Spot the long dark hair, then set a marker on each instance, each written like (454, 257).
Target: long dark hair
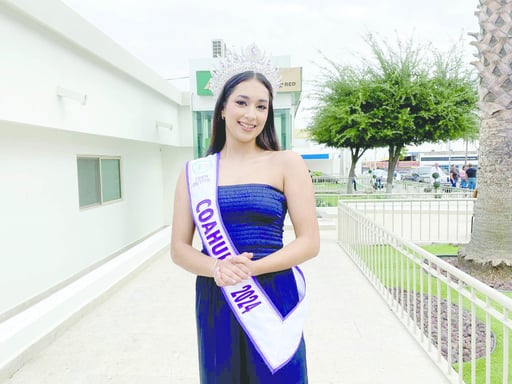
(267, 139)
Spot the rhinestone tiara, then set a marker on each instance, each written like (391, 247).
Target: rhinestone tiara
(249, 59)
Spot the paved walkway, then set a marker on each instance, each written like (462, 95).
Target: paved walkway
(144, 333)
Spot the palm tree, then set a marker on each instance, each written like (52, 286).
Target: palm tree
(491, 240)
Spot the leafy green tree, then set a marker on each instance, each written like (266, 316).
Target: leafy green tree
(404, 96)
(340, 122)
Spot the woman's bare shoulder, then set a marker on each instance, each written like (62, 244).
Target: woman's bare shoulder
(291, 165)
(288, 157)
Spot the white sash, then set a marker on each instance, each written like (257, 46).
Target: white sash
(276, 338)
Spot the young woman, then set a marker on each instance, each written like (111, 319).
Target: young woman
(257, 186)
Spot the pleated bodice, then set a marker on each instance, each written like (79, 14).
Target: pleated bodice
(253, 215)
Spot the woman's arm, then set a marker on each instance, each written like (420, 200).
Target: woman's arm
(300, 198)
(188, 257)
(182, 234)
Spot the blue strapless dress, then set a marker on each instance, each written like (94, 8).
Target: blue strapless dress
(253, 215)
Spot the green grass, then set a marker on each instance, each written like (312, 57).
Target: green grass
(441, 249)
(330, 199)
(327, 200)
(384, 261)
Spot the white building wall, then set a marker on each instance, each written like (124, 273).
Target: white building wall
(46, 239)
(39, 60)
(173, 162)
(185, 127)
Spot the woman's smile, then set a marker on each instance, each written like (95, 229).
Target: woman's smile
(246, 126)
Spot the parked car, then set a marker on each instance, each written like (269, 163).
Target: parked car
(411, 175)
(424, 175)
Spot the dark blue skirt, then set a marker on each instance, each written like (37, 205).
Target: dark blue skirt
(226, 354)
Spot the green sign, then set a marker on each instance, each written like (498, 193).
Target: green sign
(203, 82)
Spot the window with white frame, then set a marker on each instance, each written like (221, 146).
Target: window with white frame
(99, 180)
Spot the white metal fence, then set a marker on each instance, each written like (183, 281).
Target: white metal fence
(366, 185)
(464, 325)
(421, 220)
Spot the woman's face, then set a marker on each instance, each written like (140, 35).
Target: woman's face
(246, 111)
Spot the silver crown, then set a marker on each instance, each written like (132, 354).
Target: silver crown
(250, 59)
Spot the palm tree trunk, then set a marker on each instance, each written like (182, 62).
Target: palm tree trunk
(491, 239)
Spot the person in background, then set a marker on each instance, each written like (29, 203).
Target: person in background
(436, 169)
(471, 174)
(379, 182)
(463, 177)
(454, 175)
(256, 185)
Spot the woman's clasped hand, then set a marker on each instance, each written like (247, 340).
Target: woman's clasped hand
(233, 269)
